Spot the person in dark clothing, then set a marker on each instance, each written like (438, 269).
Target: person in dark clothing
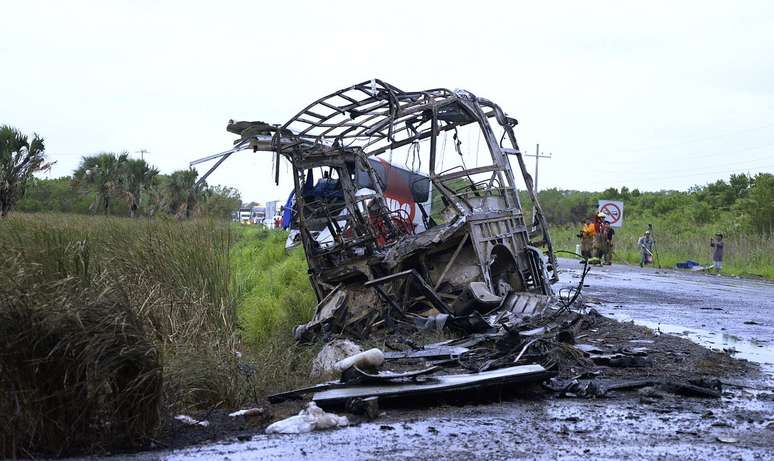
(716, 243)
(609, 233)
(646, 244)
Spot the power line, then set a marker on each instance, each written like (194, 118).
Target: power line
(691, 168)
(694, 139)
(695, 155)
(707, 173)
(142, 153)
(660, 168)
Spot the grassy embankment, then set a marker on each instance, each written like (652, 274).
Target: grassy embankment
(273, 294)
(745, 254)
(108, 326)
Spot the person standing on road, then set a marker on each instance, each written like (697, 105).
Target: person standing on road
(646, 245)
(716, 243)
(609, 233)
(587, 239)
(599, 235)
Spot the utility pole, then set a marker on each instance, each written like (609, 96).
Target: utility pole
(142, 153)
(537, 156)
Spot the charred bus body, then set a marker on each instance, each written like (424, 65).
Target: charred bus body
(382, 264)
(406, 192)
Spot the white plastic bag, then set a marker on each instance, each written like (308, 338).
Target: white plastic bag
(309, 419)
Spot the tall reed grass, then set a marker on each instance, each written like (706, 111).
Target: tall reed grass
(203, 308)
(77, 370)
(169, 282)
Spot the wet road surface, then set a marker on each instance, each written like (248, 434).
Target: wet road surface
(708, 309)
(716, 311)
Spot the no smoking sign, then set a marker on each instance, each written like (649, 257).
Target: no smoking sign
(613, 210)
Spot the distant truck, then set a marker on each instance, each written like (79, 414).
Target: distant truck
(245, 215)
(257, 214)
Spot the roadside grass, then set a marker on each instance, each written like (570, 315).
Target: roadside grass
(274, 295)
(191, 293)
(745, 255)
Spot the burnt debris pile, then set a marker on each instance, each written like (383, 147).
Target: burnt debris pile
(564, 352)
(401, 242)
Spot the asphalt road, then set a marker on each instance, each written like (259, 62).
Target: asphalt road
(712, 310)
(716, 311)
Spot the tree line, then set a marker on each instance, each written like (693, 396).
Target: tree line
(743, 202)
(111, 183)
(106, 183)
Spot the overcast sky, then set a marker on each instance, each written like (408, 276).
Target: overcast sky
(654, 95)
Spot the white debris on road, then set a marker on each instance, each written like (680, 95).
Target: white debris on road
(247, 412)
(185, 419)
(310, 419)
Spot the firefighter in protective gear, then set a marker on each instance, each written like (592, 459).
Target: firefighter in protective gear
(599, 235)
(606, 248)
(587, 239)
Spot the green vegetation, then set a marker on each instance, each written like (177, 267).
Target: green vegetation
(20, 158)
(106, 304)
(273, 295)
(105, 183)
(742, 209)
(745, 254)
(166, 194)
(273, 288)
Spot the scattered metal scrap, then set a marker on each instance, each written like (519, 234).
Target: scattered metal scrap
(517, 355)
(521, 374)
(380, 259)
(387, 264)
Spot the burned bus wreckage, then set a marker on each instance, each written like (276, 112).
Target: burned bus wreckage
(378, 255)
(397, 248)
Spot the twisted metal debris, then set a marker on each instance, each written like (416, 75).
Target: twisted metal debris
(377, 256)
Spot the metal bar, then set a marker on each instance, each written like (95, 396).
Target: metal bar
(388, 278)
(241, 146)
(209, 172)
(396, 144)
(387, 298)
(471, 171)
(433, 140)
(451, 261)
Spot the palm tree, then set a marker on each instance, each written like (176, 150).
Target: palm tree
(19, 159)
(182, 193)
(102, 173)
(138, 177)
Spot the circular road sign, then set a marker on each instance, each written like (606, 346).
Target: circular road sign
(612, 211)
